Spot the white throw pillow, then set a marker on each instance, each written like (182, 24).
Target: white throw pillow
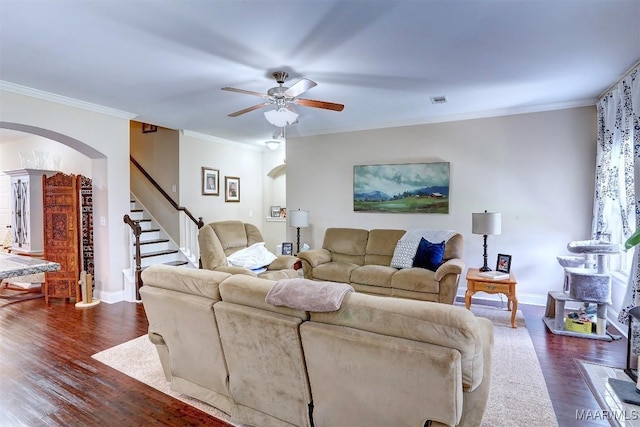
(404, 253)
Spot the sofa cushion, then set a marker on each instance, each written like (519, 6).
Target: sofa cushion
(232, 235)
(381, 245)
(346, 244)
(404, 254)
(415, 279)
(429, 255)
(252, 292)
(202, 283)
(438, 324)
(334, 271)
(373, 275)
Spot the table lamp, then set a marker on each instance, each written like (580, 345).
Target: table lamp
(486, 223)
(298, 219)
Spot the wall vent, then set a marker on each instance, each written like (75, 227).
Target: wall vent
(439, 99)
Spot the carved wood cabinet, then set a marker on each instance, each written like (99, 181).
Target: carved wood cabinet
(67, 225)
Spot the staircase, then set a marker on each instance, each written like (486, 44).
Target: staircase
(156, 247)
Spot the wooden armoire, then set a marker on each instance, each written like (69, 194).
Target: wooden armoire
(68, 232)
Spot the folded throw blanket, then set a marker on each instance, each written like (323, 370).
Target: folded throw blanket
(308, 295)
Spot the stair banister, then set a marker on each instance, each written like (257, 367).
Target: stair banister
(137, 231)
(199, 222)
(189, 229)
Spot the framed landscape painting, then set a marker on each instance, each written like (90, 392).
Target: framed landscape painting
(401, 188)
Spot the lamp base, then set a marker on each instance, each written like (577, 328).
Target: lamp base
(484, 268)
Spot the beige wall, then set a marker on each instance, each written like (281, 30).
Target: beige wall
(231, 160)
(537, 169)
(104, 139)
(158, 153)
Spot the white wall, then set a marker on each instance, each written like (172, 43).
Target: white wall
(231, 160)
(274, 193)
(103, 138)
(537, 169)
(70, 160)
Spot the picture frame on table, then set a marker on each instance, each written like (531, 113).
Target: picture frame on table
(503, 264)
(232, 189)
(210, 181)
(275, 211)
(287, 248)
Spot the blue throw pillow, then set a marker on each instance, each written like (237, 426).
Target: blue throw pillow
(429, 255)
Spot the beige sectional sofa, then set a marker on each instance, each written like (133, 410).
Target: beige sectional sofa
(363, 258)
(375, 361)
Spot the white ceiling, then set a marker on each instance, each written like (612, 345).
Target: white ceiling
(166, 61)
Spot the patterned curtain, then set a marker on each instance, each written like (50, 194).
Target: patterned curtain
(615, 211)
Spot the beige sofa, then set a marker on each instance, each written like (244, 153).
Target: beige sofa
(218, 240)
(362, 258)
(374, 362)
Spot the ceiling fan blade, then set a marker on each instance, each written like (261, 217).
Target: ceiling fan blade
(299, 87)
(246, 92)
(246, 110)
(320, 104)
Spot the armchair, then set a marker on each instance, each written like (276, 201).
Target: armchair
(218, 240)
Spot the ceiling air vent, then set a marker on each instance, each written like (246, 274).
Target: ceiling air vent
(439, 99)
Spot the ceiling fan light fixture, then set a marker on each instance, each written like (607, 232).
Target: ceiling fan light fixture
(281, 117)
(273, 144)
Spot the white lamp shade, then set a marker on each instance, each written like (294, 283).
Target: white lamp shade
(281, 117)
(298, 218)
(488, 223)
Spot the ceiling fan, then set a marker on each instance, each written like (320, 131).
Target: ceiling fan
(282, 98)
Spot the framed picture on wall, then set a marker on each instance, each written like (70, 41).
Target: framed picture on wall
(210, 182)
(232, 189)
(147, 128)
(275, 211)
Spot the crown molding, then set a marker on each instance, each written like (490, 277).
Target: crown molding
(466, 116)
(219, 140)
(72, 102)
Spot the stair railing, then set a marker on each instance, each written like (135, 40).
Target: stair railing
(137, 231)
(189, 227)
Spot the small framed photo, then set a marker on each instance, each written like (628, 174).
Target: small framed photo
(287, 248)
(283, 212)
(210, 182)
(148, 128)
(275, 211)
(504, 263)
(231, 189)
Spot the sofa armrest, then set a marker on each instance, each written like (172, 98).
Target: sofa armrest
(235, 270)
(452, 266)
(284, 262)
(315, 257)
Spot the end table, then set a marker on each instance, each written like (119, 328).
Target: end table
(477, 283)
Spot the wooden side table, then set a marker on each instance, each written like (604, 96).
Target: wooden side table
(477, 283)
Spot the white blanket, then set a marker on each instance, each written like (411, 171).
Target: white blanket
(254, 257)
(434, 236)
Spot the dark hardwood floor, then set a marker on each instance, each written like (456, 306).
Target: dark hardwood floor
(48, 378)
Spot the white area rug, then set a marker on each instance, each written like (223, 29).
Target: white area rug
(518, 397)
